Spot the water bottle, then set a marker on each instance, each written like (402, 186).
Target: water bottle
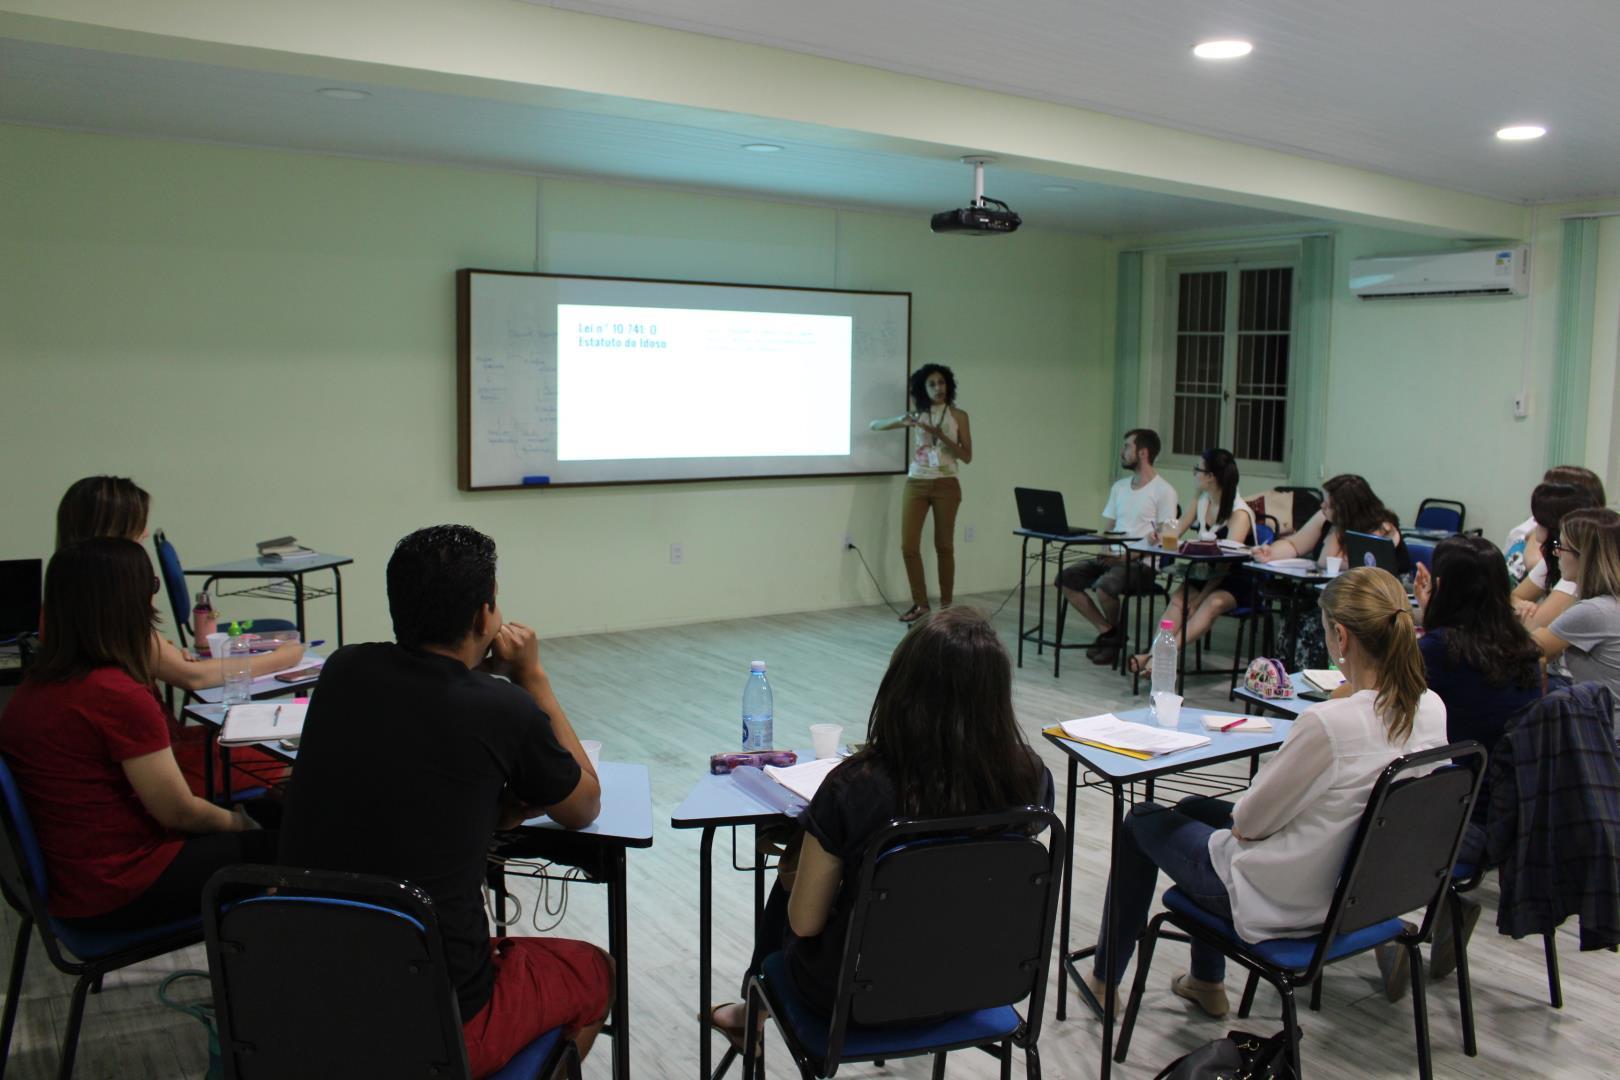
(236, 663)
(203, 620)
(758, 709)
(1164, 663)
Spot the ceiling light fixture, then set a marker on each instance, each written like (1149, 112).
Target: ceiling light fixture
(1521, 132)
(341, 93)
(761, 148)
(1226, 49)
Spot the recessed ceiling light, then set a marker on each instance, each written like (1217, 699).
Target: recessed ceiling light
(1056, 187)
(1227, 49)
(1521, 132)
(341, 93)
(761, 147)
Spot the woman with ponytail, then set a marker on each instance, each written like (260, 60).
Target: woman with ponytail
(1270, 861)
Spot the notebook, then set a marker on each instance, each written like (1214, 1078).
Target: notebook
(1109, 732)
(1323, 678)
(1247, 725)
(804, 778)
(258, 722)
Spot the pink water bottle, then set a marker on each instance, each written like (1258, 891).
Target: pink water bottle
(203, 620)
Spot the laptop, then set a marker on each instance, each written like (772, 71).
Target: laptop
(1364, 549)
(20, 590)
(1042, 512)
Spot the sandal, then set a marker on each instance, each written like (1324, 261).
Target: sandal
(732, 1035)
(917, 611)
(1141, 664)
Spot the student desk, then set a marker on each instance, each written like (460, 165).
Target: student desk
(1037, 632)
(1140, 549)
(1119, 772)
(1297, 592)
(625, 822)
(265, 686)
(284, 580)
(717, 802)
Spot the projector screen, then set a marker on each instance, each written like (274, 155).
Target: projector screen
(583, 380)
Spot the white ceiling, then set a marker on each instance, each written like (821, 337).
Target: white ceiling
(640, 142)
(1411, 88)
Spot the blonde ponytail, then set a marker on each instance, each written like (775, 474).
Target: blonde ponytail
(1373, 608)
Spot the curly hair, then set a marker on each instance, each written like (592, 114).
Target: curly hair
(919, 385)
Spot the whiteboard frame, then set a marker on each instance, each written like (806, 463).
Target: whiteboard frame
(464, 323)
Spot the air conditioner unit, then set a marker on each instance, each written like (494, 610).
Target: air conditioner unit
(1499, 271)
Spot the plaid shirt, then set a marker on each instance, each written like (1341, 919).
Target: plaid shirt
(1554, 824)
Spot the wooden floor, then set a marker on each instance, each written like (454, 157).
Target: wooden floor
(669, 698)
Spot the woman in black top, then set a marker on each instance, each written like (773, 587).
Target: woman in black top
(942, 741)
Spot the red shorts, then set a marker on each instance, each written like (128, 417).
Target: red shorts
(540, 983)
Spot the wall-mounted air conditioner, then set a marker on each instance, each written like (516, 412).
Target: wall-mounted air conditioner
(1499, 271)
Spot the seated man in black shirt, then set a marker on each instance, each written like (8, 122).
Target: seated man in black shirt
(413, 754)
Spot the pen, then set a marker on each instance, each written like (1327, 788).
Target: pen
(1235, 723)
(312, 644)
(275, 718)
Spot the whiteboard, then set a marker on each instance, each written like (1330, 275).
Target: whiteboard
(569, 380)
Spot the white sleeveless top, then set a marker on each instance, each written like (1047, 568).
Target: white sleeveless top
(1208, 508)
(930, 458)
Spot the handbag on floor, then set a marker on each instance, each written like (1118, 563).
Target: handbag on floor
(1239, 1056)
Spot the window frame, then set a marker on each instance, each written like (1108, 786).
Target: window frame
(1232, 263)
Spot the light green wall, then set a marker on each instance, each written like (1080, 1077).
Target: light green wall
(265, 340)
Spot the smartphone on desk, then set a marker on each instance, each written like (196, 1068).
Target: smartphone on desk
(1314, 695)
(299, 674)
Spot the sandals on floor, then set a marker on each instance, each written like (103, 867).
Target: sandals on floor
(1141, 664)
(734, 1036)
(917, 611)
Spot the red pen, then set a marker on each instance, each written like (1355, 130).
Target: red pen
(1235, 723)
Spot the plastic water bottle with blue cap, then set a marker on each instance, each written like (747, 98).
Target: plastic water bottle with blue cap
(758, 709)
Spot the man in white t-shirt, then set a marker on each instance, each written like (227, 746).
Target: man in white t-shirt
(1136, 504)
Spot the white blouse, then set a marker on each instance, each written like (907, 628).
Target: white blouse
(1299, 816)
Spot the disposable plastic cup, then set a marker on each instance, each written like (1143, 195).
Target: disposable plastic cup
(1170, 541)
(824, 737)
(1335, 564)
(216, 643)
(593, 750)
(1167, 708)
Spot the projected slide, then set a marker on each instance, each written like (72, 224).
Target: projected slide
(640, 382)
(566, 380)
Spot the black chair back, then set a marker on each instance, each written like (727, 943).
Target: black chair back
(1441, 514)
(1407, 841)
(1307, 501)
(333, 975)
(952, 915)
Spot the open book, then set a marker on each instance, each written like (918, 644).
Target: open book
(1109, 732)
(1323, 678)
(262, 721)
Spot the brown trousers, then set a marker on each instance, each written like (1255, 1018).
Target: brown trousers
(943, 496)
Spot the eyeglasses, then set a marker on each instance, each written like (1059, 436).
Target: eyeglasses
(1557, 546)
(1197, 469)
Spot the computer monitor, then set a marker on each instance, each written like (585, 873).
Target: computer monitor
(21, 582)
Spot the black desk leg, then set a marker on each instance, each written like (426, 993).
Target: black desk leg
(1068, 890)
(1023, 586)
(1040, 632)
(297, 581)
(337, 587)
(705, 944)
(1110, 923)
(495, 878)
(209, 750)
(225, 776)
(619, 949)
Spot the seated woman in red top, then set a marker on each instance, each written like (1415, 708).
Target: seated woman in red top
(126, 843)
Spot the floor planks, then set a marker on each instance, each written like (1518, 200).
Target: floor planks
(670, 697)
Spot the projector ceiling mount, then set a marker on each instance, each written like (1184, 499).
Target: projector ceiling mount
(984, 216)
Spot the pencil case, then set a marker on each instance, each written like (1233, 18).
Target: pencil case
(721, 764)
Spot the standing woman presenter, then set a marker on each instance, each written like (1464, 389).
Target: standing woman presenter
(940, 441)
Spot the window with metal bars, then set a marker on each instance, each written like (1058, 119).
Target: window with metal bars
(1233, 330)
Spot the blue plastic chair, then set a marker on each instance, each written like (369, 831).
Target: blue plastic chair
(86, 955)
(344, 970)
(1441, 515)
(1400, 861)
(911, 982)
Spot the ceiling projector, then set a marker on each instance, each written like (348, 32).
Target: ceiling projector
(983, 216)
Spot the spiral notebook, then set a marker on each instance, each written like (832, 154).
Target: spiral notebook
(258, 722)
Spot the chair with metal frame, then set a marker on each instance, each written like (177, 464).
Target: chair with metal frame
(86, 955)
(1400, 860)
(344, 970)
(1440, 515)
(1307, 501)
(174, 583)
(912, 980)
